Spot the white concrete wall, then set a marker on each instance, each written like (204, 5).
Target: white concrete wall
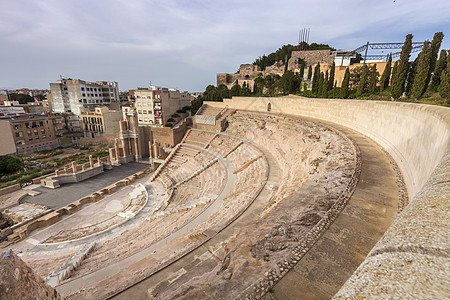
(412, 259)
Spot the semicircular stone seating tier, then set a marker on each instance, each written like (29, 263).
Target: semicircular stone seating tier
(196, 175)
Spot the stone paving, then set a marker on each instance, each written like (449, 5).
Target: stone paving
(71, 192)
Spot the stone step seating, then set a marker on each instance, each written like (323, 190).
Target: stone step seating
(184, 162)
(248, 183)
(209, 180)
(224, 144)
(66, 271)
(210, 111)
(199, 138)
(242, 155)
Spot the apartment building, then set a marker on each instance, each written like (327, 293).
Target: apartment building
(100, 122)
(75, 95)
(155, 105)
(30, 133)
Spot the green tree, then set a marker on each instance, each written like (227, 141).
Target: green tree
(440, 66)
(196, 104)
(309, 72)
(316, 78)
(373, 79)
(363, 81)
(345, 83)
(324, 93)
(444, 87)
(320, 84)
(258, 86)
(235, 90)
(331, 78)
(384, 81)
(22, 98)
(410, 78)
(10, 165)
(269, 83)
(434, 49)
(302, 69)
(421, 71)
(398, 81)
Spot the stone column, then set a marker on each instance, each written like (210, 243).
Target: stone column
(150, 149)
(136, 147)
(156, 149)
(56, 172)
(99, 160)
(116, 148)
(111, 154)
(91, 161)
(74, 167)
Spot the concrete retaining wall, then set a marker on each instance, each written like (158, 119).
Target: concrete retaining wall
(411, 260)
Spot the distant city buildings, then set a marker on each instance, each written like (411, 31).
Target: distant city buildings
(75, 95)
(156, 105)
(102, 121)
(29, 133)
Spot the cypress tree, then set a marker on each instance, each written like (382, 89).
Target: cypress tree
(324, 93)
(444, 87)
(434, 49)
(421, 71)
(309, 72)
(373, 79)
(440, 66)
(315, 80)
(331, 78)
(398, 81)
(384, 81)
(411, 76)
(345, 83)
(362, 82)
(320, 84)
(302, 70)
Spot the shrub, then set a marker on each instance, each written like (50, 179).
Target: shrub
(180, 111)
(171, 120)
(187, 108)
(168, 125)
(176, 115)
(10, 165)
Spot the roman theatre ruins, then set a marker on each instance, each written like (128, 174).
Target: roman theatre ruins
(268, 198)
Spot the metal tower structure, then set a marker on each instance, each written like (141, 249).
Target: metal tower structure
(416, 46)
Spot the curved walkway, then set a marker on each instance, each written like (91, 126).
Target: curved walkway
(344, 246)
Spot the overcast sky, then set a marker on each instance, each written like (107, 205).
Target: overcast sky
(183, 44)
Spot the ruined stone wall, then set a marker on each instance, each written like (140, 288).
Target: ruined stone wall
(311, 58)
(411, 260)
(18, 281)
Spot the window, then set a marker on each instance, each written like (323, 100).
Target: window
(43, 131)
(145, 112)
(17, 126)
(99, 120)
(82, 88)
(84, 95)
(30, 139)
